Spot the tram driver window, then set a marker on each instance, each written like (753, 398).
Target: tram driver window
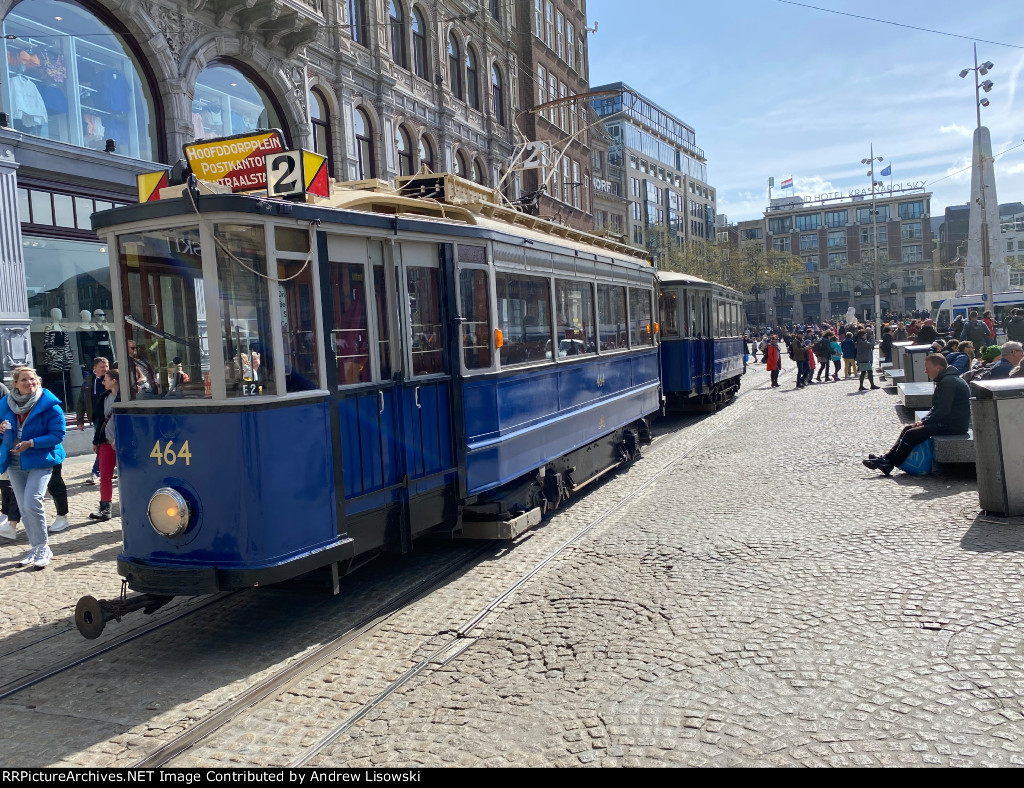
(245, 310)
(165, 315)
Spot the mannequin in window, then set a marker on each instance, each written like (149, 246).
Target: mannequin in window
(57, 357)
(86, 317)
(94, 338)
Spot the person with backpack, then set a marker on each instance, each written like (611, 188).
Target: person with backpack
(976, 332)
(823, 352)
(849, 348)
(886, 346)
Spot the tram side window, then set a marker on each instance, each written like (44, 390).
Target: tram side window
(476, 318)
(611, 317)
(641, 328)
(245, 310)
(668, 309)
(350, 334)
(165, 315)
(524, 317)
(574, 302)
(298, 311)
(424, 320)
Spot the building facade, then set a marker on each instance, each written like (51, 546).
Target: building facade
(954, 238)
(95, 92)
(664, 172)
(836, 239)
(1011, 225)
(611, 207)
(552, 51)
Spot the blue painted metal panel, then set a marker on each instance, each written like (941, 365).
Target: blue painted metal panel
(728, 359)
(542, 414)
(245, 473)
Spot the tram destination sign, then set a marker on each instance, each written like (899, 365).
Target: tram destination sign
(237, 161)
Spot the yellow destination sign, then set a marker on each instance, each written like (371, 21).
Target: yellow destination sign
(237, 162)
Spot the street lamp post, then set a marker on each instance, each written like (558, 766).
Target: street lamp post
(979, 102)
(874, 237)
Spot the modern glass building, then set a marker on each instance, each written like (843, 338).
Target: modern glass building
(664, 172)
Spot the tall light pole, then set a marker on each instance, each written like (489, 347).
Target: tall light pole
(979, 102)
(874, 237)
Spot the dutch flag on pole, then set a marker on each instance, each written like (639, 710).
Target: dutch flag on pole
(787, 184)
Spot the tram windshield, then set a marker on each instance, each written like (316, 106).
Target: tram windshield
(165, 315)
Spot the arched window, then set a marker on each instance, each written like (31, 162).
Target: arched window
(227, 102)
(419, 45)
(472, 79)
(357, 26)
(478, 172)
(454, 67)
(364, 146)
(321, 119)
(459, 163)
(497, 96)
(397, 18)
(404, 148)
(73, 79)
(426, 154)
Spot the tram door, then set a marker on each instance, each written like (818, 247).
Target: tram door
(394, 391)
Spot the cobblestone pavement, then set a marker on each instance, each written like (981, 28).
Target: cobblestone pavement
(766, 600)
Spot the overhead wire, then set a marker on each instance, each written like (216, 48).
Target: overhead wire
(899, 24)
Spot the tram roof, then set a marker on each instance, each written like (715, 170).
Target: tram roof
(676, 278)
(469, 206)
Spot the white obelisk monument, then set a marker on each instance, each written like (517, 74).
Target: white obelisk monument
(984, 211)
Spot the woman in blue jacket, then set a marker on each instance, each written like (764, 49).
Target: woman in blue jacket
(35, 419)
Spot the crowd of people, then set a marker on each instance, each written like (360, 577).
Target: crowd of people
(820, 349)
(32, 432)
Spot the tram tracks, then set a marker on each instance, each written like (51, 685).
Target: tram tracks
(453, 638)
(463, 637)
(22, 683)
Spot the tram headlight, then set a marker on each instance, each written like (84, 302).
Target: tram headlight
(169, 512)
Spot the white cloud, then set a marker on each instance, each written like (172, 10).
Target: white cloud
(960, 172)
(954, 128)
(1016, 169)
(814, 185)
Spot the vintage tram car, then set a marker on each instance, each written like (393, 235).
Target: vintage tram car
(702, 353)
(321, 381)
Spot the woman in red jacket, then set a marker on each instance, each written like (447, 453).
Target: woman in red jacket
(773, 359)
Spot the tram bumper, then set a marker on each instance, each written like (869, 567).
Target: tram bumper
(190, 580)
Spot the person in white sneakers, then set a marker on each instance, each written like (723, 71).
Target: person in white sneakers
(32, 429)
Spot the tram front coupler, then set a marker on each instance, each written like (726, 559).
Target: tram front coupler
(92, 615)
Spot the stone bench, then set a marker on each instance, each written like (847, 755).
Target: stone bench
(894, 375)
(951, 448)
(916, 395)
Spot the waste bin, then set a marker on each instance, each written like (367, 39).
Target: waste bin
(913, 363)
(897, 353)
(997, 412)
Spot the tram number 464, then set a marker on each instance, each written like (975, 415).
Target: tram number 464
(168, 456)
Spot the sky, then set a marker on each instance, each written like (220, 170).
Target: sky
(779, 90)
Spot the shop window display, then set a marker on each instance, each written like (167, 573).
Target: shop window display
(226, 102)
(67, 77)
(70, 307)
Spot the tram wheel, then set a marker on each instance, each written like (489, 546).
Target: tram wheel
(89, 617)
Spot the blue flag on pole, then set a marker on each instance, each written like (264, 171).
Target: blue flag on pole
(887, 170)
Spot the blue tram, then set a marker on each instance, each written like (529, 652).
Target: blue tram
(319, 382)
(702, 353)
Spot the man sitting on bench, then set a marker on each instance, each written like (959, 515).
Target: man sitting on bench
(950, 415)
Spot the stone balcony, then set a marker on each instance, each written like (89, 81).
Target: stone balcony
(285, 24)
